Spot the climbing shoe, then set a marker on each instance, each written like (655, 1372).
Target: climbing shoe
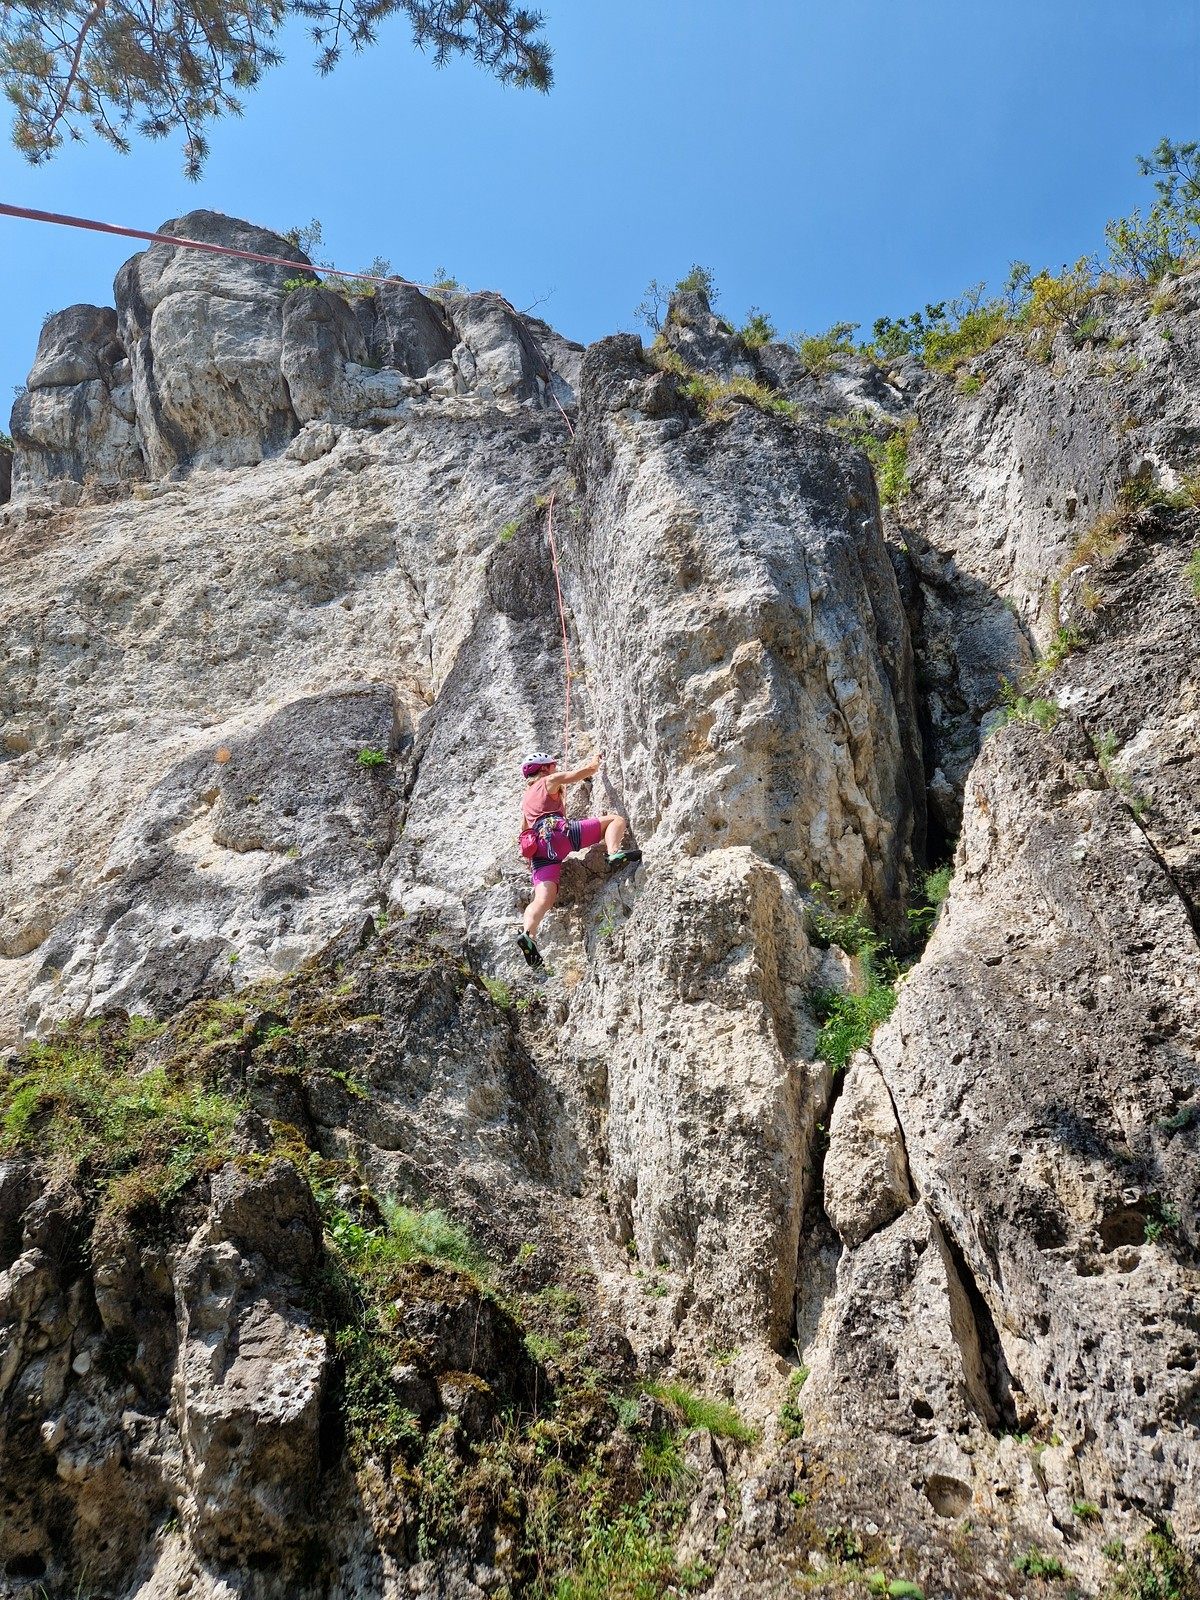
(530, 950)
(623, 857)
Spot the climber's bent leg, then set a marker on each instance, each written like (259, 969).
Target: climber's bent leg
(614, 831)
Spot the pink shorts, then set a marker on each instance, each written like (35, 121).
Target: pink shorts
(566, 837)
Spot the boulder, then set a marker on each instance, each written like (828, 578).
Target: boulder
(496, 354)
(411, 332)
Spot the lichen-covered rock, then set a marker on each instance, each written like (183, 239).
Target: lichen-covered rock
(246, 856)
(711, 1105)
(747, 651)
(1039, 1061)
(1010, 473)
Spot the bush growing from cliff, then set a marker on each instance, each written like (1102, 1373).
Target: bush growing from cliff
(711, 397)
(757, 330)
(888, 455)
(819, 352)
(1148, 248)
(652, 307)
(848, 1021)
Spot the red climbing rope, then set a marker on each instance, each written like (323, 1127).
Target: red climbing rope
(562, 618)
(194, 244)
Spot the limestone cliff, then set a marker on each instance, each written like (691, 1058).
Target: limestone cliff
(343, 1256)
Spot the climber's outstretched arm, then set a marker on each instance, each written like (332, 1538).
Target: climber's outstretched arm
(558, 780)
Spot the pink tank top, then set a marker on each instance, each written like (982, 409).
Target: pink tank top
(538, 801)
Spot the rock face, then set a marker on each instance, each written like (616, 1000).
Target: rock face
(258, 784)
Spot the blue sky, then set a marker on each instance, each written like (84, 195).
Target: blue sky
(827, 161)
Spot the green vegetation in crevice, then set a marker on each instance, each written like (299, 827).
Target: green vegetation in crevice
(1106, 753)
(935, 886)
(1145, 492)
(848, 1020)
(1064, 642)
(371, 757)
(1100, 542)
(791, 1417)
(1111, 530)
(888, 454)
(502, 997)
(698, 1411)
(1162, 1219)
(713, 398)
(1018, 707)
(1034, 1563)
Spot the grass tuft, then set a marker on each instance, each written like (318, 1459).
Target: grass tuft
(1035, 1564)
(697, 1411)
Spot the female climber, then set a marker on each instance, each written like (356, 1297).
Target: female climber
(548, 838)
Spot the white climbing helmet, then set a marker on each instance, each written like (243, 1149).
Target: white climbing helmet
(531, 765)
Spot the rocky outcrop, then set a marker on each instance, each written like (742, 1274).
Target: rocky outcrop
(1012, 465)
(260, 742)
(76, 419)
(212, 361)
